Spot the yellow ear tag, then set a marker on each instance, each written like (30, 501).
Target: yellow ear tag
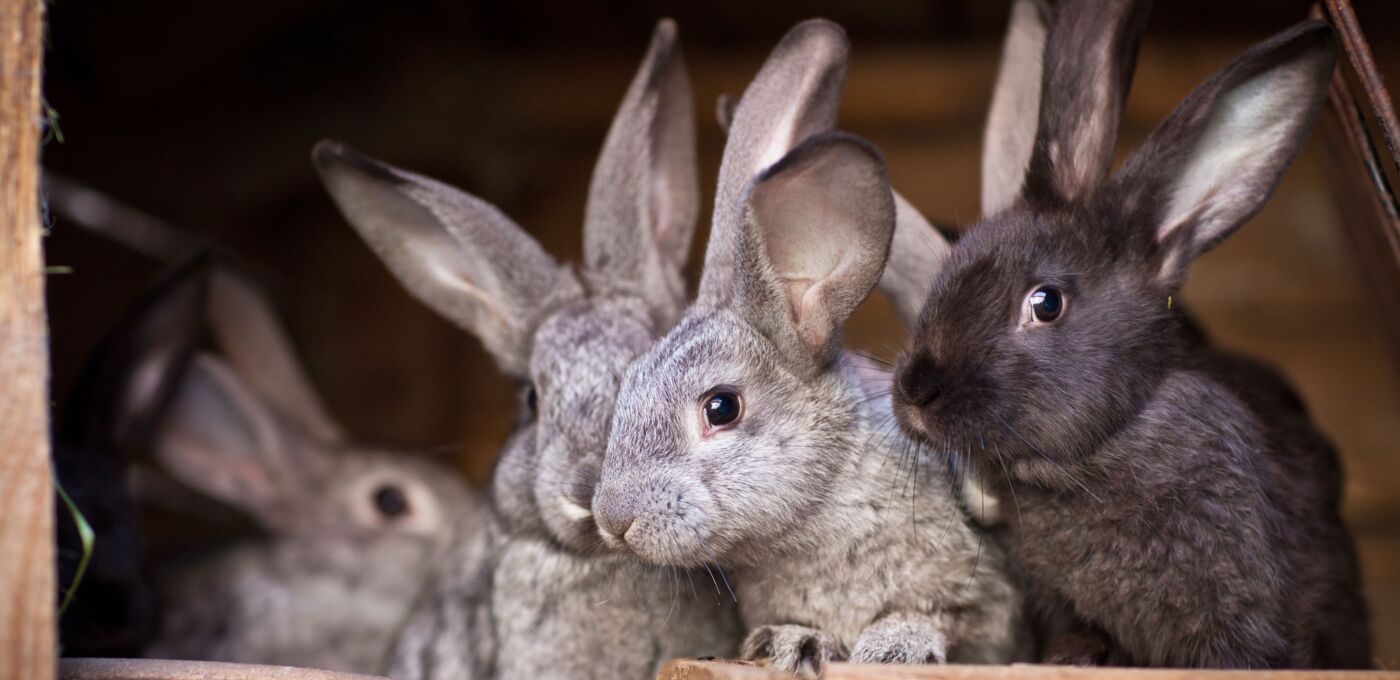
(1169, 303)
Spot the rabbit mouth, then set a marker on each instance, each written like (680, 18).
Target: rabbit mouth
(911, 418)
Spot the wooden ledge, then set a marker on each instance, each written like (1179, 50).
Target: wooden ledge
(162, 669)
(685, 669)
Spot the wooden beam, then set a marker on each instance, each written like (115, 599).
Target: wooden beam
(156, 669)
(27, 624)
(729, 670)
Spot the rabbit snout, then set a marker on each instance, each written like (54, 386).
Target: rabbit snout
(658, 520)
(919, 383)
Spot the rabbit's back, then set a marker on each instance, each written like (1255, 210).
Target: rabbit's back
(1304, 475)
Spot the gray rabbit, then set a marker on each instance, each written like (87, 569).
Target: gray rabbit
(534, 597)
(1170, 504)
(351, 532)
(747, 438)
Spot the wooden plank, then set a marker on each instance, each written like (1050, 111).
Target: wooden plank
(159, 669)
(27, 625)
(691, 669)
(728, 670)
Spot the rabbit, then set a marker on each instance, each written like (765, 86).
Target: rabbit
(351, 531)
(747, 438)
(1172, 505)
(121, 393)
(536, 598)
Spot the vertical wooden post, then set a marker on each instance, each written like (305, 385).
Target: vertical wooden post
(27, 621)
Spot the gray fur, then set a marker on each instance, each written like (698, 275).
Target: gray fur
(537, 600)
(1173, 505)
(801, 495)
(335, 576)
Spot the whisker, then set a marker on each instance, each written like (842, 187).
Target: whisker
(714, 557)
(1049, 460)
(996, 451)
(976, 559)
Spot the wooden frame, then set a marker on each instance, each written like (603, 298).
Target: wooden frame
(1362, 174)
(27, 620)
(728, 670)
(148, 669)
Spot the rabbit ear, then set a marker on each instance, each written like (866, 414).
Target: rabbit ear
(219, 439)
(817, 229)
(795, 95)
(917, 253)
(1218, 157)
(724, 111)
(456, 253)
(255, 345)
(645, 195)
(1090, 53)
(127, 384)
(1011, 122)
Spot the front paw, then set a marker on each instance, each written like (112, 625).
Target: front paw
(901, 638)
(1079, 646)
(795, 649)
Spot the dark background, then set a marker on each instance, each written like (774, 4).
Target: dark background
(204, 115)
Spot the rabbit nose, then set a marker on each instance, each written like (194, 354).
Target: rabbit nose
(918, 381)
(614, 514)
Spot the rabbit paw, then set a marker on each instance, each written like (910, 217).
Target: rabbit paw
(796, 649)
(1079, 646)
(902, 638)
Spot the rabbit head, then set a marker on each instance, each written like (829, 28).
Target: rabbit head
(567, 337)
(1052, 322)
(724, 432)
(247, 428)
(124, 388)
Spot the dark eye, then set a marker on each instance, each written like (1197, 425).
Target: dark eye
(1047, 303)
(532, 402)
(390, 501)
(723, 408)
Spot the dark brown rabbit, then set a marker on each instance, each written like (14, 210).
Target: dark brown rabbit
(1169, 504)
(111, 413)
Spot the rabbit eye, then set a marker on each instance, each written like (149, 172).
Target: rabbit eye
(532, 402)
(722, 408)
(1047, 304)
(390, 501)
